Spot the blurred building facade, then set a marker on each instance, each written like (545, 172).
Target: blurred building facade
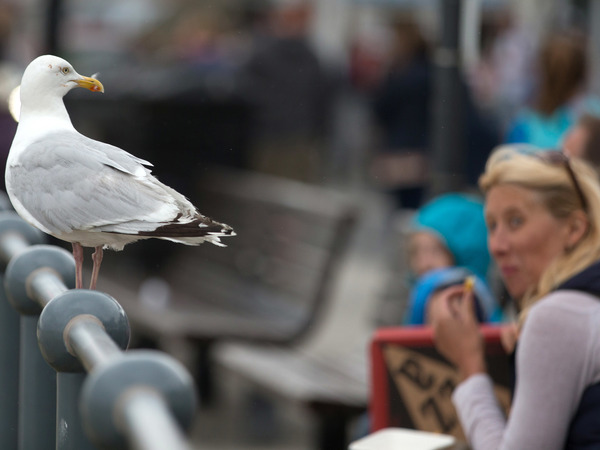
(191, 50)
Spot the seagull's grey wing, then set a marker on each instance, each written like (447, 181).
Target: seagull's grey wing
(104, 153)
(68, 184)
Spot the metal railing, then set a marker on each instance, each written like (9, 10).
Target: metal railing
(66, 381)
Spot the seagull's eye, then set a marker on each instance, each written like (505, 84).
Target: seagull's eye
(65, 70)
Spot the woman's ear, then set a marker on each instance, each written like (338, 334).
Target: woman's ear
(578, 227)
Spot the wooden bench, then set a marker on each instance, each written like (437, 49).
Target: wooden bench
(269, 285)
(328, 373)
(332, 384)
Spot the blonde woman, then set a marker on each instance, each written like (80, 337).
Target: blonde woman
(543, 216)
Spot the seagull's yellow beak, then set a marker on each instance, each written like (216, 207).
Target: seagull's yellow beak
(90, 83)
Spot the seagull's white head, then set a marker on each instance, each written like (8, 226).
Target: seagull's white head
(54, 75)
(45, 82)
(48, 78)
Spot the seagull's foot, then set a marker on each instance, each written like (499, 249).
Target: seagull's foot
(78, 256)
(97, 258)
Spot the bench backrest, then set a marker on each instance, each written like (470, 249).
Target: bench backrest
(290, 240)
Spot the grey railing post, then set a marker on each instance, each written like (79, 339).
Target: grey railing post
(15, 236)
(69, 430)
(37, 388)
(79, 330)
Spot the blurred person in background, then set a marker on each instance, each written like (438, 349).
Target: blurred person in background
(401, 111)
(542, 211)
(582, 140)
(290, 96)
(444, 243)
(561, 95)
(500, 88)
(199, 35)
(402, 115)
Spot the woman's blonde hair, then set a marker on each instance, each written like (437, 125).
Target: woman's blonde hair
(551, 180)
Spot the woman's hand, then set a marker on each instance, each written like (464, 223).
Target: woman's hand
(456, 330)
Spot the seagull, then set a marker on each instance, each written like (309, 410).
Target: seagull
(87, 192)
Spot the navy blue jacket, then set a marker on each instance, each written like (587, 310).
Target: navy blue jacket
(584, 430)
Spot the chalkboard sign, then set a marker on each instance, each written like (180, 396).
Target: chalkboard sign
(412, 384)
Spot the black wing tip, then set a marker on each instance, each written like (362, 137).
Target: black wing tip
(198, 227)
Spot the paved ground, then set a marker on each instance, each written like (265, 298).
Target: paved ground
(235, 423)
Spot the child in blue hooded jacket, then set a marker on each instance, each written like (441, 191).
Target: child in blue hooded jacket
(447, 242)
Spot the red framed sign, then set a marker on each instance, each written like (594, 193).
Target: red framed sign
(412, 384)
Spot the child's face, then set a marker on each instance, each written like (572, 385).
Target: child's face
(426, 252)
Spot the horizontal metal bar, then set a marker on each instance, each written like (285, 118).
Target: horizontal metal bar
(148, 423)
(45, 284)
(86, 338)
(11, 244)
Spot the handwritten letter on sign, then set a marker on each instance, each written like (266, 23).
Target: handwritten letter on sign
(425, 384)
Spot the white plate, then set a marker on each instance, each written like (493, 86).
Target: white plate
(400, 438)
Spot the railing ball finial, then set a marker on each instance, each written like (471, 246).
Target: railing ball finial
(21, 267)
(11, 222)
(70, 306)
(106, 390)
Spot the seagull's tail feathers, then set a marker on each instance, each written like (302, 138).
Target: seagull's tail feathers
(192, 232)
(196, 240)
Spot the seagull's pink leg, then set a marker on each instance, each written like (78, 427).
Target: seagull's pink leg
(78, 256)
(97, 258)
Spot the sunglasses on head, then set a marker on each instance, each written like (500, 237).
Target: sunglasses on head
(556, 157)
